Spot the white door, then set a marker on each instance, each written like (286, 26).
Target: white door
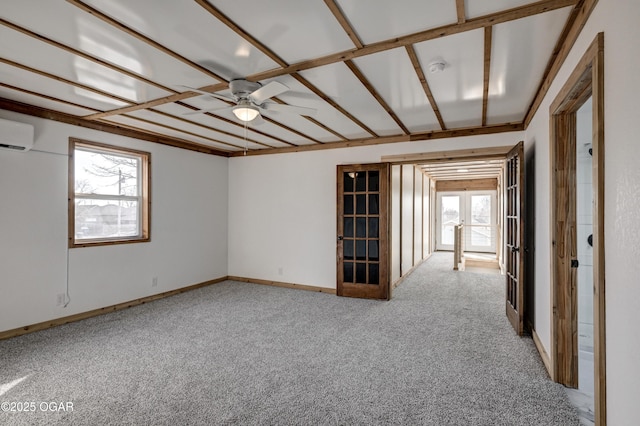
(476, 210)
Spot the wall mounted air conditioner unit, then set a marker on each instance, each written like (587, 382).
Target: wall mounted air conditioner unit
(15, 136)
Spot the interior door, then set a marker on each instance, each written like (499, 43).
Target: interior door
(363, 231)
(514, 184)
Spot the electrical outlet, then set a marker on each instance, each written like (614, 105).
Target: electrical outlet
(280, 271)
(154, 282)
(60, 299)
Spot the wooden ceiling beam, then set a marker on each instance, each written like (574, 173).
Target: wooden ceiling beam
(43, 96)
(430, 34)
(333, 103)
(65, 81)
(120, 26)
(488, 31)
(576, 21)
(460, 165)
(463, 176)
(425, 85)
(351, 32)
(468, 154)
(422, 136)
(367, 84)
(83, 55)
(443, 31)
(48, 114)
(462, 16)
(264, 49)
(235, 123)
(204, 126)
(344, 22)
(176, 129)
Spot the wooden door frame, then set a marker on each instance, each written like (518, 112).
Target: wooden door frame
(586, 80)
(383, 290)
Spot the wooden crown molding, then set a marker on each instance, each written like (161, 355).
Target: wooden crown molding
(48, 114)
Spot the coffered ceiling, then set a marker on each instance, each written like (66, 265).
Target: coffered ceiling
(364, 66)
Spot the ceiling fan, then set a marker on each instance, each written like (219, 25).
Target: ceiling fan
(251, 99)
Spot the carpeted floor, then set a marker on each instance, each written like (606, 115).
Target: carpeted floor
(440, 353)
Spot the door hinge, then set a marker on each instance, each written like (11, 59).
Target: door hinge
(575, 263)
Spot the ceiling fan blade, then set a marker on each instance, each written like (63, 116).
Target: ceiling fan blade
(289, 109)
(203, 111)
(268, 91)
(202, 92)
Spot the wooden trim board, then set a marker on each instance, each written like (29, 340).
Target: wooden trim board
(543, 353)
(100, 311)
(586, 79)
(410, 271)
(283, 284)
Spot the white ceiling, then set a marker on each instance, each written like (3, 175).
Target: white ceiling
(353, 56)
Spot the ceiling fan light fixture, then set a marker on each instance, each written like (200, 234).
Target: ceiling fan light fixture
(245, 112)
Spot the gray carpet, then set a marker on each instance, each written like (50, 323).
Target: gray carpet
(440, 353)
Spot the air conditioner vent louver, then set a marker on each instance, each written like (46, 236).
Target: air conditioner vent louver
(15, 136)
(15, 147)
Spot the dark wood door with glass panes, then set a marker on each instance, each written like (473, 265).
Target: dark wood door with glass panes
(514, 259)
(362, 243)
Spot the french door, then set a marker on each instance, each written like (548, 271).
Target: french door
(363, 231)
(514, 259)
(476, 210)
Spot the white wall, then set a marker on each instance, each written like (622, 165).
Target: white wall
(619, 22)
(408, 176)
(282, 207)
(188, 229)
(396, 198)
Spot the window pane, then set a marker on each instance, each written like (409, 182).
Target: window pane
(361, 227)
(361, 250)
(373, 204)
(97, 218)
(348, 181)
(481, 236)
(348, 204)
(361, 273)
(373, 227)
(361, 182)
(374, 273)
(348, 249)
(480, 209)
(450, 217)
(374, 178)
(348, 227)
(105, 174)
(348, 272)
(361, 204)
(373, 250)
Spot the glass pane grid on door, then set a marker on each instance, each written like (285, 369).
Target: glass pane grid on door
(512, 222)
(361, 227)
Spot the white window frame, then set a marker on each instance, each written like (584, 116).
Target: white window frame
(142, 197)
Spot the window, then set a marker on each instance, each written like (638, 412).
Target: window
(108, 194)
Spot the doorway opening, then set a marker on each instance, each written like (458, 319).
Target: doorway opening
(448, 185)
(477, 211)
(577, 215)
